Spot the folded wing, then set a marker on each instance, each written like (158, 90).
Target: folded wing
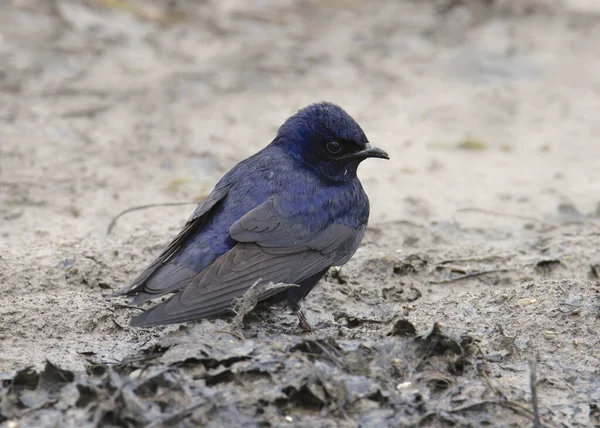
(163, 276)
(269, 249)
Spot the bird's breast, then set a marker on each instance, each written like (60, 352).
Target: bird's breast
(318, 206)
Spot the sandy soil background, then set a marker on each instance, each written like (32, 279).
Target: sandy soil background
(486, 220)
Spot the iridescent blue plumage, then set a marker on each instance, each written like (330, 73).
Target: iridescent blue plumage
(286, 214)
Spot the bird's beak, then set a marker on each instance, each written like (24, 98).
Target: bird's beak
(371, 152)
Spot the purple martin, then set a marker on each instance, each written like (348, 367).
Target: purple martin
(284, 215)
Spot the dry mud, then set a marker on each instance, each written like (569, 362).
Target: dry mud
(477, 286)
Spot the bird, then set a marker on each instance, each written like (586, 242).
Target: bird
(284, 215)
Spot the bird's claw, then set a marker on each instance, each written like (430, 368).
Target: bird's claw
(303, 322)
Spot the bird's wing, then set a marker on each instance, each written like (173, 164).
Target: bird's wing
(162, 276)
(269, 250)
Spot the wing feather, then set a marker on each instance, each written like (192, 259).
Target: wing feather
(268, 250)
(163, 276)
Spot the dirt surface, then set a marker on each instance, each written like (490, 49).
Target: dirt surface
(481, 262)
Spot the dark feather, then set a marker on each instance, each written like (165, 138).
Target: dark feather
(214, 290)
(161, 276)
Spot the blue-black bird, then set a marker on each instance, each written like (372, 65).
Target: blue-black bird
(284, 215)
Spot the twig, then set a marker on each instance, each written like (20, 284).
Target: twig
(534, 399)
(470, 275)
(69, 91)
(512, 405)
(130, 360)
(87, 112)
(334, 355)
(499, 214)
(453, 269)
(493, 387)
(472, 259)
(143, 207)
(122, 305)
(258, 292)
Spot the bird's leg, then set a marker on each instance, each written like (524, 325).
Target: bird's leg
(302, 321)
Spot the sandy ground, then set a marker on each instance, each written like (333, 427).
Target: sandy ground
(486, 220)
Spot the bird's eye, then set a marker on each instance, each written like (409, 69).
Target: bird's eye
(334, 147)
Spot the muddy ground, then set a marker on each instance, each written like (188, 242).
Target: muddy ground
(478, 280)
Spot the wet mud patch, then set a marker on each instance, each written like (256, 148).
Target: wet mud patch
(219, 379)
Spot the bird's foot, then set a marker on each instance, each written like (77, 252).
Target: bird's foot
(303, 322)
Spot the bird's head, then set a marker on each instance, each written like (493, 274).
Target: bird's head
(327, 139)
